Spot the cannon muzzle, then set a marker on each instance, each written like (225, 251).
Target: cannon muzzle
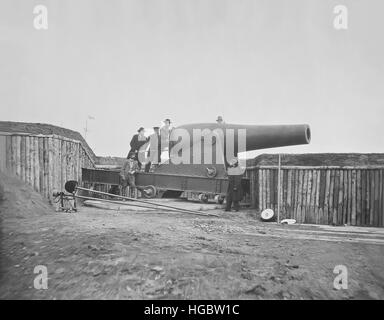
(272, 136)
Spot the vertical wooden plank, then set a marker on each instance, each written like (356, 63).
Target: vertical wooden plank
(73, 160)
(368, 199)
(331, 195)
(363, 196)
(304, 195)
(284, 202)
(22, 158)
(51, 175)
(18, 156)
(68, 160)
(295, 194)
(353, 197)
(32, 161)
(261, 189)
(317, 201)
(251, 176)
(292, 184)
(345, 197)
(300, 196)
(41, 164)
(63, 162)
(52, 165)
(349, 197)
(27, 161)
(336, 196)
(313, 197)
(339, 218)
(374, 187)
(381, 212)
(14, 155)
(260, 183)
(323, 176)
(59, 185)
(268, 196)
(9, 153)
(57, 164)
(308, 197)
(327, 196)
(37, 165)
(292, 192)
(372, 197)
(80, 167)
(255, 185)
(3, 153)
(276, 183)
(376, 206)
(289, 194)
(46, 167)
(358, 198)
(311, 185)
(265, 194)
(273, 188)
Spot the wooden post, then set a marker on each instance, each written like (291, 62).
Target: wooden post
(267, 188)
(278, 190)
(3, 153)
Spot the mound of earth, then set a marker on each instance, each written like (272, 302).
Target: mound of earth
(45, 129)
(17, 199)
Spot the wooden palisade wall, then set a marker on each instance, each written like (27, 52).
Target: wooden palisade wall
(44, 162)
(321, 195)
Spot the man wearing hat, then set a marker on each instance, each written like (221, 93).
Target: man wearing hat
(220, 120)
(137, 141)
(128, 172)
(154, 153)
(165, 132)
(234, 191)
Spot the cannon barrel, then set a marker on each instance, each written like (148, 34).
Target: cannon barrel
(259, 136)
(271, 136)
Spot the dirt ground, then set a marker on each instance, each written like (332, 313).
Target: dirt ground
(104, 254)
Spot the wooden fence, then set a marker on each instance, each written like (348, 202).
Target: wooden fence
(45, 162)
(321, 195)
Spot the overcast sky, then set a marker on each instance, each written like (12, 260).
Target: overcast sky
(132, 63)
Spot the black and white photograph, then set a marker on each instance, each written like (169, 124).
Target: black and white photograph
(170, 151)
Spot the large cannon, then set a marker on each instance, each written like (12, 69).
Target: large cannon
(216, 143)
(199, 154)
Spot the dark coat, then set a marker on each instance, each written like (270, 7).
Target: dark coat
(137, 143)
(234, 187)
